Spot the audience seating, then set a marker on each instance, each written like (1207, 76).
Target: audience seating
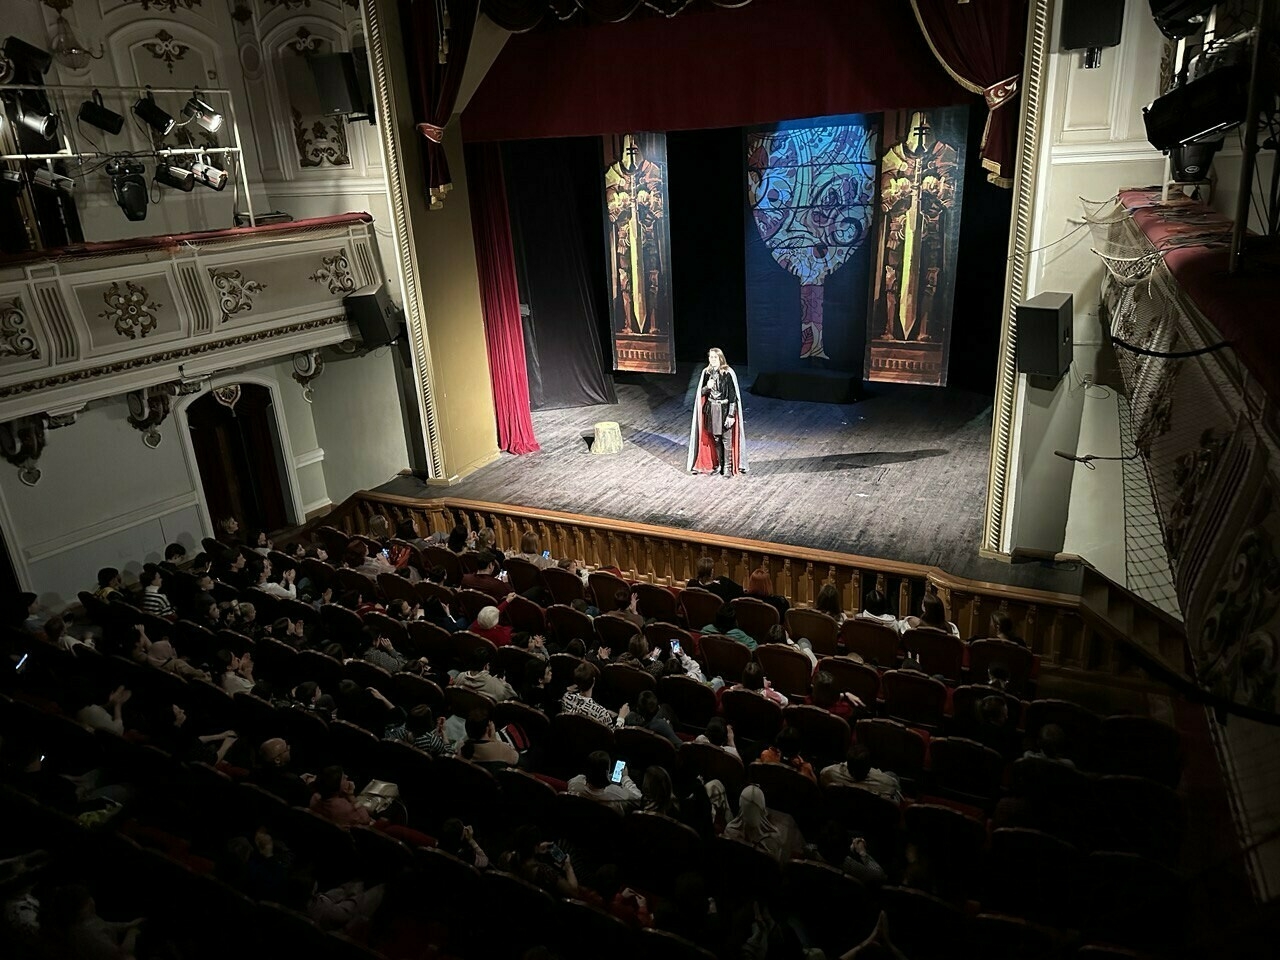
(712, 763)
(604, 587)
(819, 629)
(525, 616)
(1140, 746)
(939, 653)
(875, 818)
(894, 746)
(787, 668)
(1033, 874)
(814, 889)
(755, 617)
(923, 927)
(655, 602)
(442, 557)
(788, 790)
(694, 703)
(563, 586)
(568, 624)
(621, 683)
(1016, 658)
(914, 698)
(641, 749)
(1079, 724)
(874, 642)
(751, 715)
(826, 736)
(965, 770)
(615, 633)
(661, 634)
(662, 848)
(471, 602)
(522, 575)
(700, 607)
(724, 657)
(853, 677)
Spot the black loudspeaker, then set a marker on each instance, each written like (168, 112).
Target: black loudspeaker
(1044, 335)
(372, 310)
(1200, 109)
(1179, 18)
(1089, 24)
(342, 84)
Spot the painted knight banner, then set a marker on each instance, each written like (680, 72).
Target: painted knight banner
(638, 251)
(810, 204)
(921, 182)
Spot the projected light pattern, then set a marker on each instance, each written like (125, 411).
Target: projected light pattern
(812, 192)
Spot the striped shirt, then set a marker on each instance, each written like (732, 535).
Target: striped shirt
(156, 603)
(576, 703)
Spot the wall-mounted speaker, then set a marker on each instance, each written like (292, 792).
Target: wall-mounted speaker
(373, 311)
(1090, 24)
(1044, 335)
(342, 84)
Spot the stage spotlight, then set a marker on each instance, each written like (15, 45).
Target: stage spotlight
(150, 112)
(1177, 19)
(48, 179)
(1190, 164)
(129, 187)
(203, 114)
(171, 175)
(36, 119)
(207, 175)
(95, 113)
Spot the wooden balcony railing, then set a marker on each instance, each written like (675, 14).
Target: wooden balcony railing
(1054, 624)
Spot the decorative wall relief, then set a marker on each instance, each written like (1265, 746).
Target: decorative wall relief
(235, 293)
(148, 409)
(304, 42)
(21, 443)
(335, 273)
(170, 5)
(166, 48)
(306, 367)
(132, 312)
(322, 141)
(15, 338)
(289, 4)
(228, 396)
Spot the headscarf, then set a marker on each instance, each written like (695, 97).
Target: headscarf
(752, 825)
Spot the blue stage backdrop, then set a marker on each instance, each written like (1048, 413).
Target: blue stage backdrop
(811, 193)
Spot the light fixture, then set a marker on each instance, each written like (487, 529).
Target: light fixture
(203, 114)
(207, 175)
(34, 117)
(129, 187)
(95, 113)
(29, 61)
(67, 48)
(172, 175)
(151, 113)
(11, 183)
(50, 180)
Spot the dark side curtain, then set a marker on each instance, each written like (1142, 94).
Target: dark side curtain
(437, 37)
(982, 46)
(553, 191)
(520, 15)
(499, 298)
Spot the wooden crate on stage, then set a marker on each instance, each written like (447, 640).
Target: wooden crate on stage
(643, 352)
(907, 362)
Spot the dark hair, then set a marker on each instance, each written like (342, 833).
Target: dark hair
(576, 648)
(279, 627)
(789, 742)
(534, 671)
(933, 612)
(437, 575)
(529, 542)
(726, 619)
(150, 573)
(875, 602)
(622, 598)
(717, 731)
(647, 704)
(577, 603)
(54, 628)
(328, 782)
(638, 646)
(201, 561)
(994, 710)
(584, 676)
(777, 633)
(477, 724)
(1051, 740)
(174, 550)
(828, 601)
(305, 691)
(858, 761)
(405, 530)
(524, 843)
(334, 650)
(597, 770)
(479, 658)
(753, 676)
(106, 575)
(825, 690)
(357, 552)
(658, 789)
(833, 843)
(704, 569)
(998, 673)
(420, 720)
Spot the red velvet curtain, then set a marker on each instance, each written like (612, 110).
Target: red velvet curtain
(500, 298)
(436, 52)
(981, 45)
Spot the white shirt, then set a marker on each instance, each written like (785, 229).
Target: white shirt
(888, 619)
(620, 796)
(285, 591)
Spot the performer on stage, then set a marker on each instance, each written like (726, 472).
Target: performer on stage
(717, 417)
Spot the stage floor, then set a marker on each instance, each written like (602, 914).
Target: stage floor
(900, 475)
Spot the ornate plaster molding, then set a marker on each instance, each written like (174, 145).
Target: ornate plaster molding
(235, 291)
(306, 367)
(21, 443)
(382, 51)
(335, 273)
(1035, 76)
(15, 333)
(131, 311)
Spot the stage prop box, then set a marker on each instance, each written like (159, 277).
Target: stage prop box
(638, 250)
(921, 180)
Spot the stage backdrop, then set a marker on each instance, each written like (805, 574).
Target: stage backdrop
(917, 233)
(810, 202)
(638, 250)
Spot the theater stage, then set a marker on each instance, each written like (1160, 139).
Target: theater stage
(900, 475)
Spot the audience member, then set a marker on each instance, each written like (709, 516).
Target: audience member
(760, 586)
(109, 584)
(92, 715)
(175, 555)
(274, 775)
(828, 601)
(704, 578)
(479, 679)
(1002, 628)
(530, 551)
(638, 656)
(458, 839)
(719, 734)
(541, 863)
(837, 847)
(753, 679)
(1051, 742)
(763, 829)
(457, 542)
(333, 798)
(648, 714)
(483, 746)
(578, 698)
(381, 653)
(595, 784)
(356, 557)
(726, 624)
(933, 616)
(427, 732)
(826, 693)
(153, 601)
(229, 530)
(487, 626)
(262, 544)
(625, 604)
(856, 771)
(485, 578)
(161, 655)
(875, 607)
(658, 793)
(786, 750)
(235, 672)
(72, 920)
(535, 685)
(282, 584)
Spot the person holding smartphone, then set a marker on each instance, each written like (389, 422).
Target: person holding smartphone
(531, 552)
(606, 781)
